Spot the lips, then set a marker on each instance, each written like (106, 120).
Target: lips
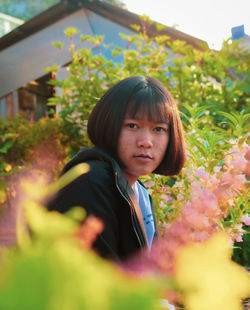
(143, 156)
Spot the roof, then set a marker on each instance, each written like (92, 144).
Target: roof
(11, 19)
(112, 12)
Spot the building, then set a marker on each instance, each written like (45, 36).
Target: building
(8, 23)
(238, 33)
(27, 50)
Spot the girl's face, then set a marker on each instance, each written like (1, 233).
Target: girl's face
(142, 145)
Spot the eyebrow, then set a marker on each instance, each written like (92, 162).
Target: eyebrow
(139, 119)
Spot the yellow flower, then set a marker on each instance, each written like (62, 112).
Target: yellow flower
(3, 196)
(36, 188)
(209, 279)
(7, 168)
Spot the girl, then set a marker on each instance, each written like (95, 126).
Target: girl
(136, 130)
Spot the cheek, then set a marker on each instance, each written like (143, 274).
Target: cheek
(125, 139)
(122, 144)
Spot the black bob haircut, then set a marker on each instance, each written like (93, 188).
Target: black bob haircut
(126, 98)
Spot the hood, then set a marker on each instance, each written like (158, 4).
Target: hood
(86, 154)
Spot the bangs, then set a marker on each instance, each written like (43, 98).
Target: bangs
(148, 102)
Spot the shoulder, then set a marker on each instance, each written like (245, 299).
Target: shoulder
(100, 168)
(100, 173)
(95, 157)
(91, 190)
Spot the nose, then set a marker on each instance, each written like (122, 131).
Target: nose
(144, 139)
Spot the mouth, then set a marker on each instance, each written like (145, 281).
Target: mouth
(143, 156)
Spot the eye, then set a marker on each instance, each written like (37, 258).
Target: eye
(131, 125)
(160, 129)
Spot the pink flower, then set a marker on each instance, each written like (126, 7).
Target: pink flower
(157, 176)
(236, 159)
(180, 197)
(217, 169)
(196, 188)
(162, 205)
(149, 184)
(238, 238)
(204, 175)
(245, 219)
(241, 178)
(197, 221)
(164, 189)
(236, 233)
(166, 198)
(210, 204)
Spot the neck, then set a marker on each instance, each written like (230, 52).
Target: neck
(131, 178)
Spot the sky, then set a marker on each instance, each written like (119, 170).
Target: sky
(208, 20)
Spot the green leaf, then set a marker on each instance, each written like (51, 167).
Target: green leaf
(146, 18)
(58, 44)
(135, 27)
(160, 27)
(123, 36)
(116, 51)
(53, 68)
(70, 31)
(162, 39)
(229, 116)
(7, 145)
(246, 89)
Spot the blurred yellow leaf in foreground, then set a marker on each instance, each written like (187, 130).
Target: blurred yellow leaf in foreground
(209, 278)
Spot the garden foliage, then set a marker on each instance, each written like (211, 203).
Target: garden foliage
(54, 268)
(206, 204)
(212, 92)
(25, 144)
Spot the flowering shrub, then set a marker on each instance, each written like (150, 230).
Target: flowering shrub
(210, 195)
(212, 92)
(24, 144)
(205, 83)
(55, 268)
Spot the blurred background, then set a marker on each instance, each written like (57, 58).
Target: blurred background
(210, 21)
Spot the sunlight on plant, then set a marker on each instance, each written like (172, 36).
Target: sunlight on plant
(208, 278)
(36, 193)
(35, 189)
(56, 258)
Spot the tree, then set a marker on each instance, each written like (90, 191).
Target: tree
(25, 9)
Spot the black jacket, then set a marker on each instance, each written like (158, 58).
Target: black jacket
(105, 192)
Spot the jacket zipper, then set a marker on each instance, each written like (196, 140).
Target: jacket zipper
(131, 211)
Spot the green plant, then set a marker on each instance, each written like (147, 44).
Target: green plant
(54, 259)
(202, 81)
(23, 143)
